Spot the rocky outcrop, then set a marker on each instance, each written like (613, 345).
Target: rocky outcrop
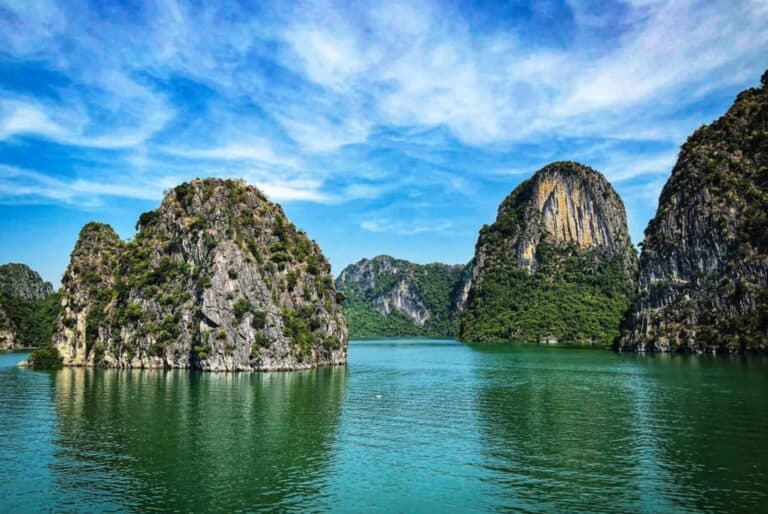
(403, 298)
(217, 278)
(465, 284)
(703, 277)
(28, 307)
(21, 281)
(393, 297)
(557, 264)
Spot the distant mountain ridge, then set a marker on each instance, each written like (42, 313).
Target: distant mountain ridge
(28, 307)
(391, 297)
(20, 281)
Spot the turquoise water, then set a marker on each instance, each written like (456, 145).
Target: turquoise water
(407, 426)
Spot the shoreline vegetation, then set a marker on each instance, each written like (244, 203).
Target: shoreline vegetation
(46, 357)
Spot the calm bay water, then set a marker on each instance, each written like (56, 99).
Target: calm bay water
(407, 426)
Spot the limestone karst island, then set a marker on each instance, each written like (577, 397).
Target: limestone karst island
(217, 278)
(454, 257)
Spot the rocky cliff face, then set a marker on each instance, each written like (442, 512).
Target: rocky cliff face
(394, 297)
(703, 278)
(217, 278)
(7, 332)
(21, 281)
(27, 307)
(557, 264)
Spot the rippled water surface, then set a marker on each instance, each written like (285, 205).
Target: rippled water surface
(407, 426)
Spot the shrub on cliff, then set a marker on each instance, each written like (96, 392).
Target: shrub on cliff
(47, 357)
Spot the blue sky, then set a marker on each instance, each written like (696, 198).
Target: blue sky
(380, 130)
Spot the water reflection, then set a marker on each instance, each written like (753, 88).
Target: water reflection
(415, 426)
(26, 420)
(547, 424)
(701, 414)
(181, 440)
(563, 427)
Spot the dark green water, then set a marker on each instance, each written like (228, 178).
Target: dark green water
(408, 426)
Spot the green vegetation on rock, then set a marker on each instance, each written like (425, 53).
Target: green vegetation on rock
(33, 321)
(202, 285)
(47, 357)
(365, 321)
(577, 297)
(21, 281)
(704, 265)
(557, 265)
(391, 297)
(28, 307)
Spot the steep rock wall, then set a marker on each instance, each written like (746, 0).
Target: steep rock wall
(217, 278)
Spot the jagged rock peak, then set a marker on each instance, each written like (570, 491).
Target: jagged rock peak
(364, 272)
(703, 276)
(565, 230)
(21, 281)
(217, 278)
(566, 203)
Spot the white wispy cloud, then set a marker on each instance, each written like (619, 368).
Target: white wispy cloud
(490, 87)
(241, 151)
(17, 117)
(322, 132)
(619, 167)
(422, 64)
(285, 91)
(405, 228)
(127, 125)
(36, 187)
(281, 192)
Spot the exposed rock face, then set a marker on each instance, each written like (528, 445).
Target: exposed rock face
(217, 278)
(404, 299)
(25, 304)
(21, 281)
(7, 332)
(393, 297)
(557, 264)
(703, 278)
